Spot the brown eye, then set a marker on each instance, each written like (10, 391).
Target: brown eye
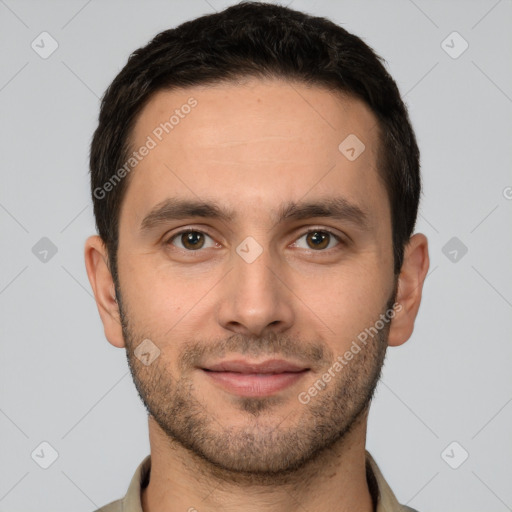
(319, 240)
(190, 240)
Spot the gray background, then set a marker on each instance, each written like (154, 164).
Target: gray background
(64, 384)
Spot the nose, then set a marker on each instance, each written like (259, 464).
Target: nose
(255, 298)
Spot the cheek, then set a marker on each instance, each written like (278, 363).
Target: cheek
(348, 302)
(161, 300)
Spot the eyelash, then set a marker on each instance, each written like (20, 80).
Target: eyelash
(311, 230)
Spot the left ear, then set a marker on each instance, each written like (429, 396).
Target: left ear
(410, 285)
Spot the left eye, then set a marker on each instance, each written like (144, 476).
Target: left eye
(319, 239)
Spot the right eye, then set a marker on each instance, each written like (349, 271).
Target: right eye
(191, 240)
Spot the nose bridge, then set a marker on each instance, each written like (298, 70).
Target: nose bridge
(255, 296)
(253, 268)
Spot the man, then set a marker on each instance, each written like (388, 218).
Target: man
(255, 181)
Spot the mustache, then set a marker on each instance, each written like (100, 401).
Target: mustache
(194, 353)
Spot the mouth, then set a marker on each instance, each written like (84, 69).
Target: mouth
(255, 379)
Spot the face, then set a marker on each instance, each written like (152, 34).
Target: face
(248, 302)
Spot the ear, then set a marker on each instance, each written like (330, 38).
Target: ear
(98, 271)
(410, 285)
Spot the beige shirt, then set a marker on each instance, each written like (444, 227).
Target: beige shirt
(381, 492)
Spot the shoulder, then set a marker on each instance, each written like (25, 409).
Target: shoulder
(114, 506)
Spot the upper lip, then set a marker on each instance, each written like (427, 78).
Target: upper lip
(268, 366)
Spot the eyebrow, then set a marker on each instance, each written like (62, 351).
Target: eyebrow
(337, 208)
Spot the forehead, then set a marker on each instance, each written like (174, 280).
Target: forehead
(258, 143)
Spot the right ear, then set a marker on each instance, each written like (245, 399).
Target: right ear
(100, 277)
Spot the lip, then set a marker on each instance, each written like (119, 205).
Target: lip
(268, 366)
(255, 379)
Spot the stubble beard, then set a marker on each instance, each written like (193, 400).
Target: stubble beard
(269, 445)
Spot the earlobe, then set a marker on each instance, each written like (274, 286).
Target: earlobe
(410, 285)
(100, 278)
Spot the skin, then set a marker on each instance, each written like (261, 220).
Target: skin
(252, 147)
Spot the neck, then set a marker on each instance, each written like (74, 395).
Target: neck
(182, 481)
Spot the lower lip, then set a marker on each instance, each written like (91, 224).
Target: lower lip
(252, 384)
